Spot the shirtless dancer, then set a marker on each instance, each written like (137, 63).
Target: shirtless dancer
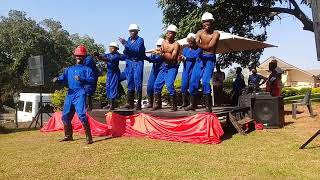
(207, 39)
(169, 52)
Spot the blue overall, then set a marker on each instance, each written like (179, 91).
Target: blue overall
(191, 56)
(90, 63)
(135, 50)
(167, 75)
(75, 100)
(202, 70)
(113, 74)
(156, 68)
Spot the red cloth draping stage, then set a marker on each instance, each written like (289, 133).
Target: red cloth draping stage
(201, 128)
(55, 124)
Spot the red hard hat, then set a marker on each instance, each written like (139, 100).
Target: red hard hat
(80, 51)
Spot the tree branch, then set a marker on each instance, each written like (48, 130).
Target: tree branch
(297, 12)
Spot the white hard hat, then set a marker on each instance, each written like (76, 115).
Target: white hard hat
(159, 42)
(207, 16)
(172, 28)
(114, 44)
(133, 27)
(191, 35)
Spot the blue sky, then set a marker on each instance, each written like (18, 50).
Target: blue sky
(105, 21)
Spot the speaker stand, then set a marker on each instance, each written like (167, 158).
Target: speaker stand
(309, 140)
(39, 113)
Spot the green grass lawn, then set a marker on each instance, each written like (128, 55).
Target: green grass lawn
(262, 154)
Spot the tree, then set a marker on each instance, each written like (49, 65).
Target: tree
(89, 42)
(20, 38)
(247, 18)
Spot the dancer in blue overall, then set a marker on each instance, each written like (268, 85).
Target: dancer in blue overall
(189, 56)
(169, 51)
(91, 88)
(135, 50)
(113, 73)
(207, 39)
(75, 78)
(157, 61)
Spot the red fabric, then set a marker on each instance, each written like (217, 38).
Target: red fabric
(200, 128)
(258, 125)
(55, 124)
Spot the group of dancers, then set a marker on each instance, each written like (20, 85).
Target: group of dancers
(198, 60)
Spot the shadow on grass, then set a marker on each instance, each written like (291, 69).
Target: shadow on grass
(95, 139)
(288, 123)
(290, 112)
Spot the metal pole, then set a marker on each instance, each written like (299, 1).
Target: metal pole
(40, 109)
(16, 115)
(315, 6)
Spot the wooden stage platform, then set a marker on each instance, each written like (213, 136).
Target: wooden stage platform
(236, 115)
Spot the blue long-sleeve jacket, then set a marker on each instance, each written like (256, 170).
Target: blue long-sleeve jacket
(76, 87)
(113, 61)
(90, 63)
(136, 49)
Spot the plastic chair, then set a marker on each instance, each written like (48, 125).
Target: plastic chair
(305, 101)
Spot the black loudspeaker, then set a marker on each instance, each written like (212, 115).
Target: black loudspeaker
(269, 110)
(38, 70)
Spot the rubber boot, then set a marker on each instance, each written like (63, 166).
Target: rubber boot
(208, 100)
(157, 102)
(150, 101)
(174, 103)
(87, 130)
(139, 97)
(67, 133)
(184, 101)
(130, 101)
(112, 105)
(193, 105)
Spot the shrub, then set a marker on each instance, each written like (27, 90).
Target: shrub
(286, 92)
(100, 94)
(4, 130)
(303, 91)
(58, 97)
(315, 90)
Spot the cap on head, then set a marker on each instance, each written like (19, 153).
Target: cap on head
(133, 27)
(191, 35)
(159, 42)
(207, 17)
(81, 50)
(172, 28)
(114, 44)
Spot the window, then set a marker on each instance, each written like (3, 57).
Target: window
(28, 107)
(20, 105)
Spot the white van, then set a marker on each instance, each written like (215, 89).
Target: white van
(28, 105)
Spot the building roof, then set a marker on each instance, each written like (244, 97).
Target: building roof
(315, 72)
(283, 65)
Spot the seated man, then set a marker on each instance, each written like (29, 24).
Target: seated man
(255, 80)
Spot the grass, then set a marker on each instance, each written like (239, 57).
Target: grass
(266, 154)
